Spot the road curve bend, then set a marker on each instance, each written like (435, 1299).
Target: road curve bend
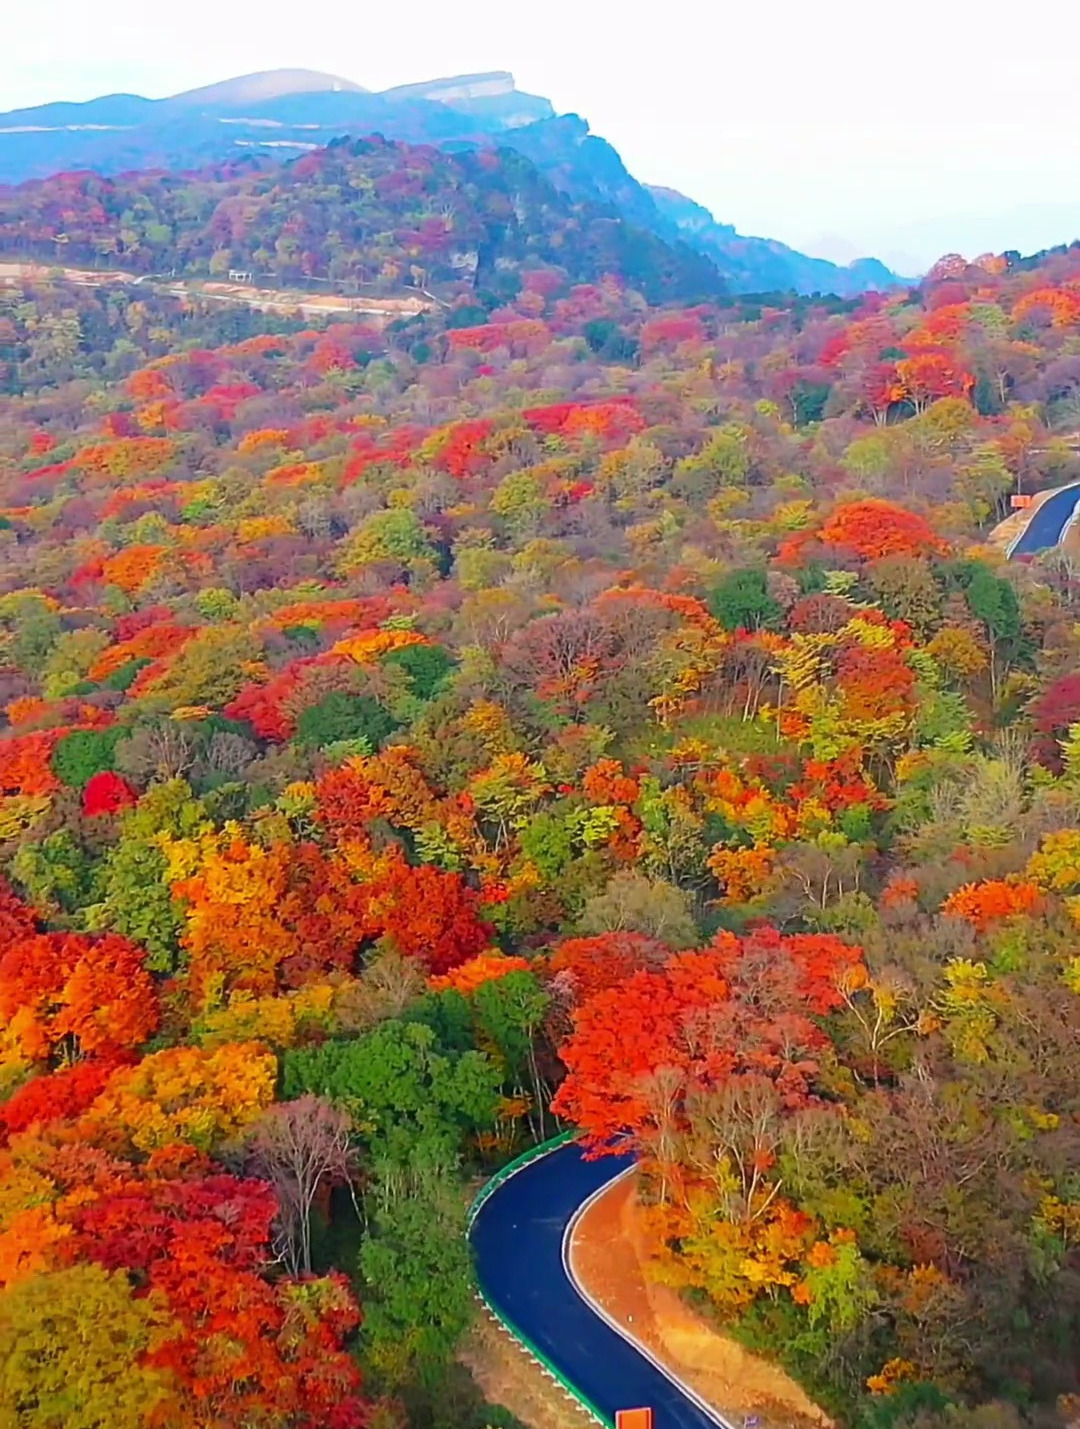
(1048, 523)
(520, 1237)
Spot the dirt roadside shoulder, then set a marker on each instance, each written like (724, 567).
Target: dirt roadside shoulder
(608, 1256)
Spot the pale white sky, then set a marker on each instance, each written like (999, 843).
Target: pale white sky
(839, 126)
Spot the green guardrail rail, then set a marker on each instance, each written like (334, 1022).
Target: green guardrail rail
(534, 1153)
(486, 1191)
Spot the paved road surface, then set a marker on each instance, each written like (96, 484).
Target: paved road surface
(518, 1240)
(1045, 527)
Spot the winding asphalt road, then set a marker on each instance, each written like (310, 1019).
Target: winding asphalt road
(1048, 523)
(519, 1238)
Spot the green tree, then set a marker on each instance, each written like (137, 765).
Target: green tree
(134, 896)
(985, 481)
(28, 628)
(418, 1302)
(84, 753)
(394, 535)
(869, 458)
(341, 716)
(69, 660)
(511, 1011)
(808, 401)
(742, 602)
(216, 604)
(411, 1103)
(428, 667)
(547, 841)
(209, 670)
(123, 678)
(598, 331)
(57, 873)
(520, 500)
(450, 1017)
(609, 342)
(992, 601)
(723, 461)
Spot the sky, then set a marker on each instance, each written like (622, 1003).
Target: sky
(840, 127)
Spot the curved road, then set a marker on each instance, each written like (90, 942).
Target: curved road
(518, 1237)
(1046, 527)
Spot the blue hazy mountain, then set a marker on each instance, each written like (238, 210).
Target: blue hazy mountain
(280, 113)
(764, 264)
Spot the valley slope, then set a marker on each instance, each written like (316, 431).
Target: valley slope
(591, 700)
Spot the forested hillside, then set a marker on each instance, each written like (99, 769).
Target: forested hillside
(364, 211)
(554, 711)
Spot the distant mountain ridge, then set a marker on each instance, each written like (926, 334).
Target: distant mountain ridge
(588, 168)
(764, 261)
(289, 111)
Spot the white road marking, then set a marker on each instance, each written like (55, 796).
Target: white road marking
(609, 1320)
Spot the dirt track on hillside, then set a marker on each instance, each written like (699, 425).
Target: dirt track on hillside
(281, 300)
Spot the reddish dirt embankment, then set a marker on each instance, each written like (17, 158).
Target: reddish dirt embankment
(609, 1255)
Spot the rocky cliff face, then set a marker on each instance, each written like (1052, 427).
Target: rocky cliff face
(462, 86)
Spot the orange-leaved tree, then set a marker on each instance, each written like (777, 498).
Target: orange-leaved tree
(742, 1006)
(872, 529)
(64, 996)
(258, 918)
(986, 903)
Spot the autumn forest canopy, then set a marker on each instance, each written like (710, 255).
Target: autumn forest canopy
(595, 702)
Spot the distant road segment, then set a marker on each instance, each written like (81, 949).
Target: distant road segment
(1047, 525)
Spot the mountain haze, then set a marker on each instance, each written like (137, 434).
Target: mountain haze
(763, 262)
(290, 111)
